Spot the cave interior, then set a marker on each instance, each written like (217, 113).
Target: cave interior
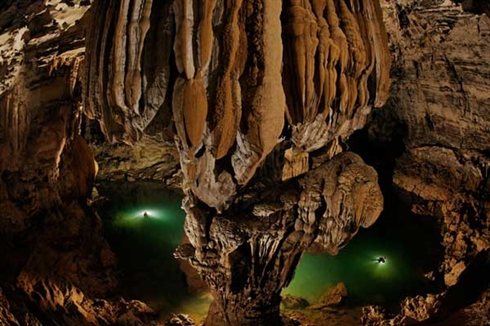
(244, 162)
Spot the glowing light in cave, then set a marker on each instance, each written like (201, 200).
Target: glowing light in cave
(149, 213)
(143, 215)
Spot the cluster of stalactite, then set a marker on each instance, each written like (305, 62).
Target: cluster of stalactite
(336, 67)
(128, 65)
(240, 76)
(255, 86)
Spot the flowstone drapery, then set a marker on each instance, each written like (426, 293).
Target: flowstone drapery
(263, 94)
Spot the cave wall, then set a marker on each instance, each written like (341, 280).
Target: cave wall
(431, 140)
(54, 259)
(440, 101)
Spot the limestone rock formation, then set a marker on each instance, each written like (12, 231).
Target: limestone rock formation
(291, 302)
(223, 74)
(413, 311)
(222, 79)
(262, 94)
(333, 297)
(180, 320)
(54, 259)
(248, 254)
(335, 52)
(71, 307)
(117, 68)
(148, 159)
(433, 132)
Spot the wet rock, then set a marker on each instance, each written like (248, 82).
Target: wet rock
(180, 320)
(334, 296)
(292, 302)
(420, 308)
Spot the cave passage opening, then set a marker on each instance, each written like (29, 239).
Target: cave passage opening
(144, 245)
(408, 243)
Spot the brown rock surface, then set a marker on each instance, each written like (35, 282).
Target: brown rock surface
(436, 124)
(333, 297)
(55, 262)
(252, 250)
(224, 70)
(148, 159)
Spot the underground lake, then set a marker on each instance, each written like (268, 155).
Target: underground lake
(143, 223)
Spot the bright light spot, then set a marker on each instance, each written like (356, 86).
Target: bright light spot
(148, 213)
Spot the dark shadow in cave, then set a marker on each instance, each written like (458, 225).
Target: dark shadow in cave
(472, 283)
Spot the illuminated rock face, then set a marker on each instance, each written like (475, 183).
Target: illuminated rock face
(257, 89)
(60, 260)
(230, 80)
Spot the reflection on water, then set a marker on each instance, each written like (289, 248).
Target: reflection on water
(144, 245)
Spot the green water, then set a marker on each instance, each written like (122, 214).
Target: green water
(144, 248)
(407, 242)
(144, 245)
